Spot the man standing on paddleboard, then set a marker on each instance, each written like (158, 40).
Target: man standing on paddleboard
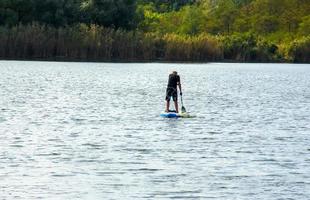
(172, 91)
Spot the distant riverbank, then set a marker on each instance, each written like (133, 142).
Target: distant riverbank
(96, 43)
(144, 61)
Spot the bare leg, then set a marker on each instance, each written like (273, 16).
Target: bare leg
(176, 106)
(167, 106)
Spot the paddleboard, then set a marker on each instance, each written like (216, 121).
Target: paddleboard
(175, 115)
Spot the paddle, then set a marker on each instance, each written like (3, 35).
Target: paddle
(183, 108)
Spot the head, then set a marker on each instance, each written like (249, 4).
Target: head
(174, 72)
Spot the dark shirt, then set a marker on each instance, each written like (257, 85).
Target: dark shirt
(173, 80)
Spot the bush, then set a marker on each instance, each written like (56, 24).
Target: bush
(247, 47)
(299, 50)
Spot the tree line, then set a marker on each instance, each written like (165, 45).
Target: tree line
(169, 30)
(57, 13)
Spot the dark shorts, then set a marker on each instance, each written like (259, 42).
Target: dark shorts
(171, 92)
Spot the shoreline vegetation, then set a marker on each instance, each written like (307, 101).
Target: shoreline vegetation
(156, 31)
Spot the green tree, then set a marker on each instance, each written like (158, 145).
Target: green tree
(223, 15)
(110, 13)
(13, 12)
(167, 5)
(304, 26)
(56, 12)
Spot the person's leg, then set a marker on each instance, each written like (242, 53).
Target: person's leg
(176, 106)
(167, 106)
(168, 97)
(175, 100)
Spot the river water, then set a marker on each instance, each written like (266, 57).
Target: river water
(93, 131)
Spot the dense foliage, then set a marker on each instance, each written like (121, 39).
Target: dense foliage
(176, 30)
(118, 13)
(264, 17)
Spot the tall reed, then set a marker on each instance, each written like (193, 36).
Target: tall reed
(96, 43)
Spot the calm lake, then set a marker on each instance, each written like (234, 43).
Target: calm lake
(93, 131)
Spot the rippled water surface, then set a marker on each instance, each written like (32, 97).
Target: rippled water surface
(93, 131)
